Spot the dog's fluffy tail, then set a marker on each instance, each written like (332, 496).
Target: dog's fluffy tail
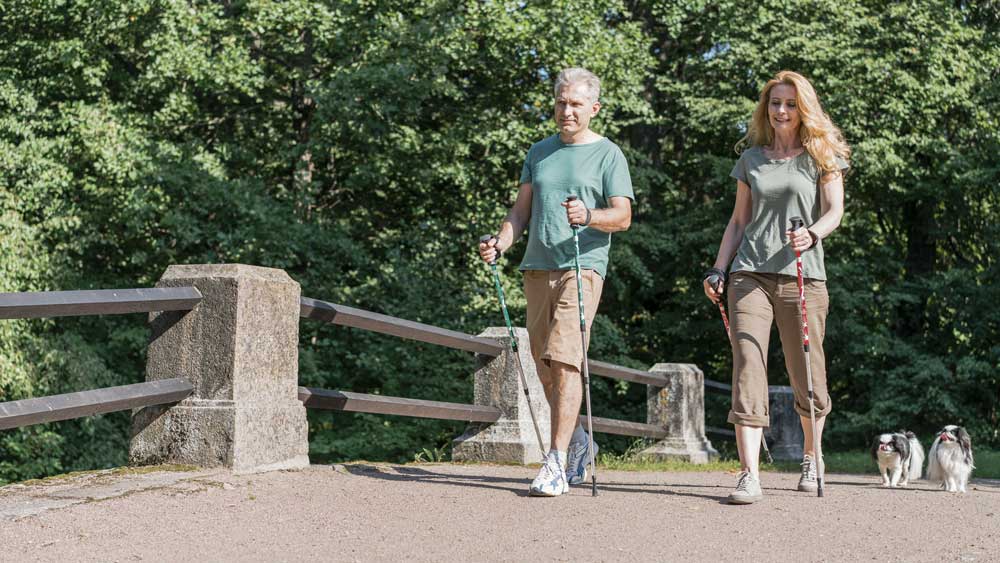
(916, 469)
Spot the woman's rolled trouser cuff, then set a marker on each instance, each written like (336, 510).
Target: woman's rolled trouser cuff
(804, 411)
(757, 421)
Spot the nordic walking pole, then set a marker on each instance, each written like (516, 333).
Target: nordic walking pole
(583, 341)
(715, 280)
(797, 224)
(513, 344)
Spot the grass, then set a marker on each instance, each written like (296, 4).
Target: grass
(987, 464)
(117, 471)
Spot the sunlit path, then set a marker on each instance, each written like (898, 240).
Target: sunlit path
(442, 512)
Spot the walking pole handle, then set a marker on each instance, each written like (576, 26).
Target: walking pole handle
(797, 223)
(487, 238)
(573, 198)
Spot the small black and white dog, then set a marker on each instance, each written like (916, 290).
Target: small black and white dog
(951, 459)
(899, 456)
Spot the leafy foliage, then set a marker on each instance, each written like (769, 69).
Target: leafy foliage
(363, 146)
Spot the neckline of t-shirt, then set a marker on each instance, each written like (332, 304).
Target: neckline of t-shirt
(590, 144)
(780, 160)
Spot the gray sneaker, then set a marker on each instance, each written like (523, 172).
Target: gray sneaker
(578, 459)
(807, 482)
(747, 490)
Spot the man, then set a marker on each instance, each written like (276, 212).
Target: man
(576, 161)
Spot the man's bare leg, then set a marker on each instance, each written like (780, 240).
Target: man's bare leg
(564, 392)
(567, 396)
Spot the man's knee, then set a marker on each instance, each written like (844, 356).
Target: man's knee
(562, 369)
(563, 374)
(544, 371)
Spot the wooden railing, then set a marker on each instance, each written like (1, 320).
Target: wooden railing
(122, 301)
(97, 302)
(14, 414)
(719, 387)
(380, 404)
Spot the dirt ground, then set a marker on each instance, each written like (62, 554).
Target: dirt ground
(442, 512)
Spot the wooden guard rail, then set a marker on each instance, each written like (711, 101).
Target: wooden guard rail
(14, 414)
(347, 401)
(384, 324)
(97, 302)
(29, 305)
(375, 322)
(379, 404)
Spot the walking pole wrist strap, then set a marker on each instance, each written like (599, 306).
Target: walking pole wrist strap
(715, 272)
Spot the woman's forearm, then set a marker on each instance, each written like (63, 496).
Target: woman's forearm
(730, 244)
(831, 206)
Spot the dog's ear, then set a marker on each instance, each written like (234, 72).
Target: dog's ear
(875, 444)
(966, 442)
(902, 446)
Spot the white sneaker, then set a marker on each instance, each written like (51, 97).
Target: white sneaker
(747, 490)
(551, 480)
(577, 460)
(807, 482)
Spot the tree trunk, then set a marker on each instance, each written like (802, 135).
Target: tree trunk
(304, 107)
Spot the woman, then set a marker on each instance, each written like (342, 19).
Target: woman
(792, 165)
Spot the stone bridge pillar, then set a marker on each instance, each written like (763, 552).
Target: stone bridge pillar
(239, 349)
(679, 408)
(785, 435)
(497, 384)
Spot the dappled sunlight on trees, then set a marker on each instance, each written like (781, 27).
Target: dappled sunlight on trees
(365, 146)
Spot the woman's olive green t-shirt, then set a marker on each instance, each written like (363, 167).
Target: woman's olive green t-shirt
(780, 189)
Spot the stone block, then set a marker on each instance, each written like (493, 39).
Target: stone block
(679, 408)
(784, 435)
(239, 349)
(497, 384)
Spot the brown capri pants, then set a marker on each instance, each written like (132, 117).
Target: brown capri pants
(554, 316)
(755, 300)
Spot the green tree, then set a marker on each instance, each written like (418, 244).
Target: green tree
(363, 146)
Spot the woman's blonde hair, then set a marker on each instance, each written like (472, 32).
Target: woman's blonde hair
(818, 134)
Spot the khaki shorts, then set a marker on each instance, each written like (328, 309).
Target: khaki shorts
(554, 315)
(755, 300)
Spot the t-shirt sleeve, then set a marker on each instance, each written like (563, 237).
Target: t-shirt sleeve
(841, 163)
(616, 177)
(526, 169)
(740, 170)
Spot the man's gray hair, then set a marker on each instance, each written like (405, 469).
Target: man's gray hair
(579, 76)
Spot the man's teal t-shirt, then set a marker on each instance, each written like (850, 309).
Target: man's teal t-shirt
(594, 172)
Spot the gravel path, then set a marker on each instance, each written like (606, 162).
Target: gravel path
(435, 512)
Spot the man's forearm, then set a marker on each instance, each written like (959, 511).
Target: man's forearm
(611, 219)
(511, 229)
